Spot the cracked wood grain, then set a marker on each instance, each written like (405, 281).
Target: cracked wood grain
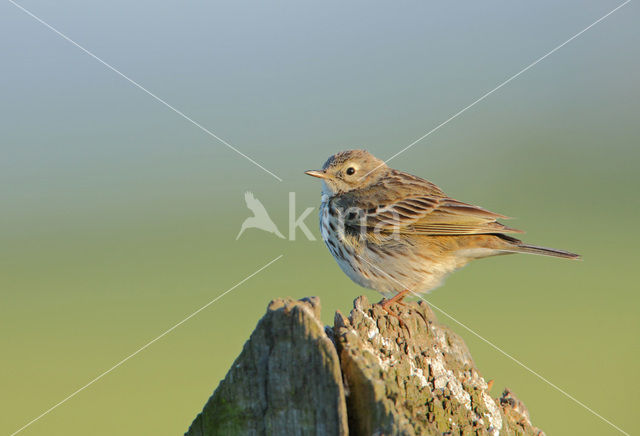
(368, 375)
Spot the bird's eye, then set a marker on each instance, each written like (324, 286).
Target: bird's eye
(350, 171)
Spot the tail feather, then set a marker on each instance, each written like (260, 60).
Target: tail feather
(509, 244)
(543, 251)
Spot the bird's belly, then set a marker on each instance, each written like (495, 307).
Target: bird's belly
(391, 272)
(344, 254)
(387, 267)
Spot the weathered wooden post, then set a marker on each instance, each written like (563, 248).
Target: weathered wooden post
(368, 375)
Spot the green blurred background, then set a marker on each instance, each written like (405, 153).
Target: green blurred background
(119, 217)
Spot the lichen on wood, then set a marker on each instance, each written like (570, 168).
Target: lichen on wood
(371, 374)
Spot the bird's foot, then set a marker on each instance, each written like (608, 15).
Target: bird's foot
(395, 315)
(396, 299)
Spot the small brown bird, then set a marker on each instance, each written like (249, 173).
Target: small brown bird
(397, 233)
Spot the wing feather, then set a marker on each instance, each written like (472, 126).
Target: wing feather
(416, 208)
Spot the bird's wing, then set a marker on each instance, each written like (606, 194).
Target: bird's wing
(417, 211)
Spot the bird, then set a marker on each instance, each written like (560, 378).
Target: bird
(397, 233)
(260, 219)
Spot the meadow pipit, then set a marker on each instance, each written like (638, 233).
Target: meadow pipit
(397, 233)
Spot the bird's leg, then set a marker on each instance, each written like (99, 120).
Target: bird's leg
(396, 299)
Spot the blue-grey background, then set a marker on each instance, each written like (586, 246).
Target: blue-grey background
(118, 217)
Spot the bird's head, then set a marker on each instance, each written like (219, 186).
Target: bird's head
(349, 170)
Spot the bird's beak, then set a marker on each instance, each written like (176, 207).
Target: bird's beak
(317, 173)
